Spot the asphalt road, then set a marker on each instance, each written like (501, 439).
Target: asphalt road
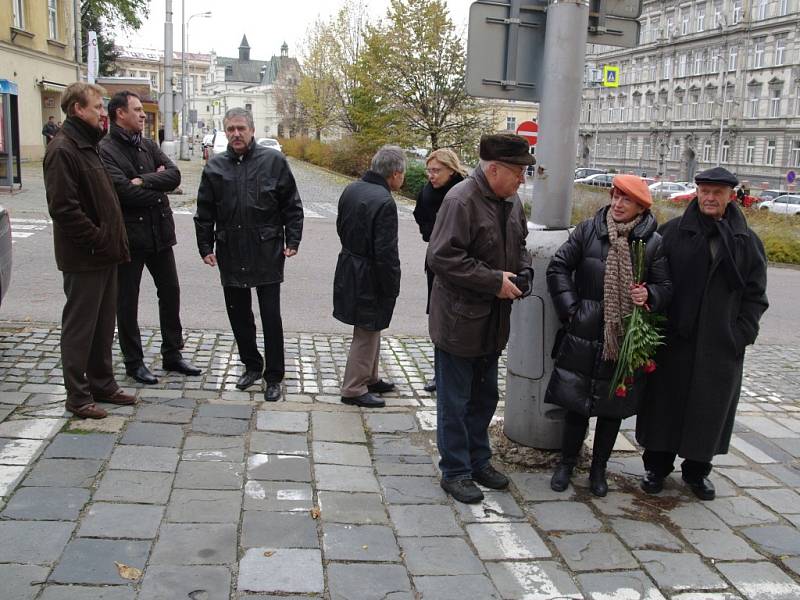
(36, 292)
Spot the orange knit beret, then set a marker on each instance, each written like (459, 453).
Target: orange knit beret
(634, 188)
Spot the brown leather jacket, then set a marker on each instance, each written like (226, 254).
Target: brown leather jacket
(477, 236)
(88, 229)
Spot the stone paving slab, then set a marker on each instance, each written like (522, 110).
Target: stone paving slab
(22, 582)
(235, 498)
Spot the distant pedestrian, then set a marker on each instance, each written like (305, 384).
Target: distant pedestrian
(249, 208)
(590, 280)
(444, 170)
(719, 274)
(160, 135)
(367, 279)
(50, 129)
(90, 241)
(142, 175)
(476, 247)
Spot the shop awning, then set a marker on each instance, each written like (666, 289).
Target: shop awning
(52, 86)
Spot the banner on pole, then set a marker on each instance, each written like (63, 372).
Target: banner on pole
(93, 59)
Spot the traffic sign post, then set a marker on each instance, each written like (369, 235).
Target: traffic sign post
(529, 130)
(610, 76)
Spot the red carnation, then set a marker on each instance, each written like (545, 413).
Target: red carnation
(649, 366)
(621, 391)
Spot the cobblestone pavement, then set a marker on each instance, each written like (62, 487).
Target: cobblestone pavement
(203, 492)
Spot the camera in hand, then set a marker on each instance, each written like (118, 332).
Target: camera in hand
(523, 281)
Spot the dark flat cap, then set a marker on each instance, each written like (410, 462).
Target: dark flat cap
(717, 175)
(507, 148)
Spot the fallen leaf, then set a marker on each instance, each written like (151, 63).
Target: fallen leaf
(315, 512)
(269, 553)
(364, 547)
(129, 573)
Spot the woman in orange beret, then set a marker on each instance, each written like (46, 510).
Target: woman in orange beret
(590, 280)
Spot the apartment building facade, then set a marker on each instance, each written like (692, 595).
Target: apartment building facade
(37, 53)
(711, 82)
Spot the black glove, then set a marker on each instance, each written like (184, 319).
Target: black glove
(524, 281)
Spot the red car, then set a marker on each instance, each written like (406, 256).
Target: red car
(746, 202)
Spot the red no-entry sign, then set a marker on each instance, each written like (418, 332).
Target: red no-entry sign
(529, 130)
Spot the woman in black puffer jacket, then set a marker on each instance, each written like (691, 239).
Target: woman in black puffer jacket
(444, 170)
(590, 280)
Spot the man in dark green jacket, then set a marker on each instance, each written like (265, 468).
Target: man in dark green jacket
(90, 241)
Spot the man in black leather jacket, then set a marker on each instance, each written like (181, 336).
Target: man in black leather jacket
(142, 176)
(249, 208)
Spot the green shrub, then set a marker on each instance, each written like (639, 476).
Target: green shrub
(318, 153)
(349, 158)
(293, 146)
(415, 179)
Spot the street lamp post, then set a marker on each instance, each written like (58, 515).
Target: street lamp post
(184, 155)
(205, 15)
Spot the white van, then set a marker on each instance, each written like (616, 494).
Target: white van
(219, 144)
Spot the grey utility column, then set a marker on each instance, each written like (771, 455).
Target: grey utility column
(528, 420)
(168, 146)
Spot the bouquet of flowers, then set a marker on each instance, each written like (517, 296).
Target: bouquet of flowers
(642, 334)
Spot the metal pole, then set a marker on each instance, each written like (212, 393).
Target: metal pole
(723, 65)
(184, 138)
(534, 322)
(596, 130)
(76, 7)
(169, 139)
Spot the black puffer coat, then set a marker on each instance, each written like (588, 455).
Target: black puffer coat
(148, 216)
(581, 378)
(247, 205)
(367, 279)
(429, 201)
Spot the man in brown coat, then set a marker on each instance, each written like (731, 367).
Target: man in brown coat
(476, 248)
(90, 241)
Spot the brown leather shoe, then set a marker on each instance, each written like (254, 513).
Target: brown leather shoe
(87, 411)
(119, 397)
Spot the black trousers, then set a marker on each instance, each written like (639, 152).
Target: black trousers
(87, 334)
(662, 463)
(605, 433)
(165, 277)
(238, 301)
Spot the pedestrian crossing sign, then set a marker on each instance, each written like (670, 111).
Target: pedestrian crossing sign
(610, 76)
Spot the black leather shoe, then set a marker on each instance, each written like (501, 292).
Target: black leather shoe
(142, 374)
(491, 478)
(652, 483)
(561, 476)
(597, 480)
(702, 488)
(182, 366)
(430, 386)
(273, 392)
(463, 490)
(247, 379)
(380, 387)
(366, 400)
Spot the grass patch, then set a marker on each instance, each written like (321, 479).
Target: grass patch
(780, 233)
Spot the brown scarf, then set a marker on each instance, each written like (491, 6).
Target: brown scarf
(616, 284)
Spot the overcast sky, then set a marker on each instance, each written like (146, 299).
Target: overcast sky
(267, 24)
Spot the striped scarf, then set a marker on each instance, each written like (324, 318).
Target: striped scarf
(617, 282)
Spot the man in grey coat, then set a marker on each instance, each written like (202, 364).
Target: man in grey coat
(719, 275)
(476, 248)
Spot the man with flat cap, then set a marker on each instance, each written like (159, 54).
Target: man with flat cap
(719, 278)
(476, 248)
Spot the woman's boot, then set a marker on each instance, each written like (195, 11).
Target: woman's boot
(597, 479)
(561, 476)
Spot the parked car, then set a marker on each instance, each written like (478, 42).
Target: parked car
(269, 143)
(683, 196)
(788, 204)
(219, 144)
(598, 179)
(665, 189)
(770, 194)
(582, 172)
(5, 252)
(208, 140)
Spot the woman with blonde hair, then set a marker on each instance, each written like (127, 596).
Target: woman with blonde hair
(444, 170)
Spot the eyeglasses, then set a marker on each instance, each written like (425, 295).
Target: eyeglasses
(518, 173)
(433, 171)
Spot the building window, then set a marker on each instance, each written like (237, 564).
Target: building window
(733, 54)
(694, 99)
(762, 9)
(17, 7)
(248, 107)
(717, 13)
(679, 105)
(682, 65)
(710, 95)
(154, 79)
(783, 7)
(770, 158)
(511, 123)
(753, 102)
(699, 59)
(666, 69)
(700, 17)
(758, 53)
(775, 102)
(670, 27)
(713, 65)
(646, 149)
(52, 18)
(707, 151)
(737, 11)
(780, 50)
(726, 150)
(794, 154)
(685, 20)
(750, 152)
(676, 150)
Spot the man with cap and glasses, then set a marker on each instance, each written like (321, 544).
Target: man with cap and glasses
(719, 276)
(477, 253)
